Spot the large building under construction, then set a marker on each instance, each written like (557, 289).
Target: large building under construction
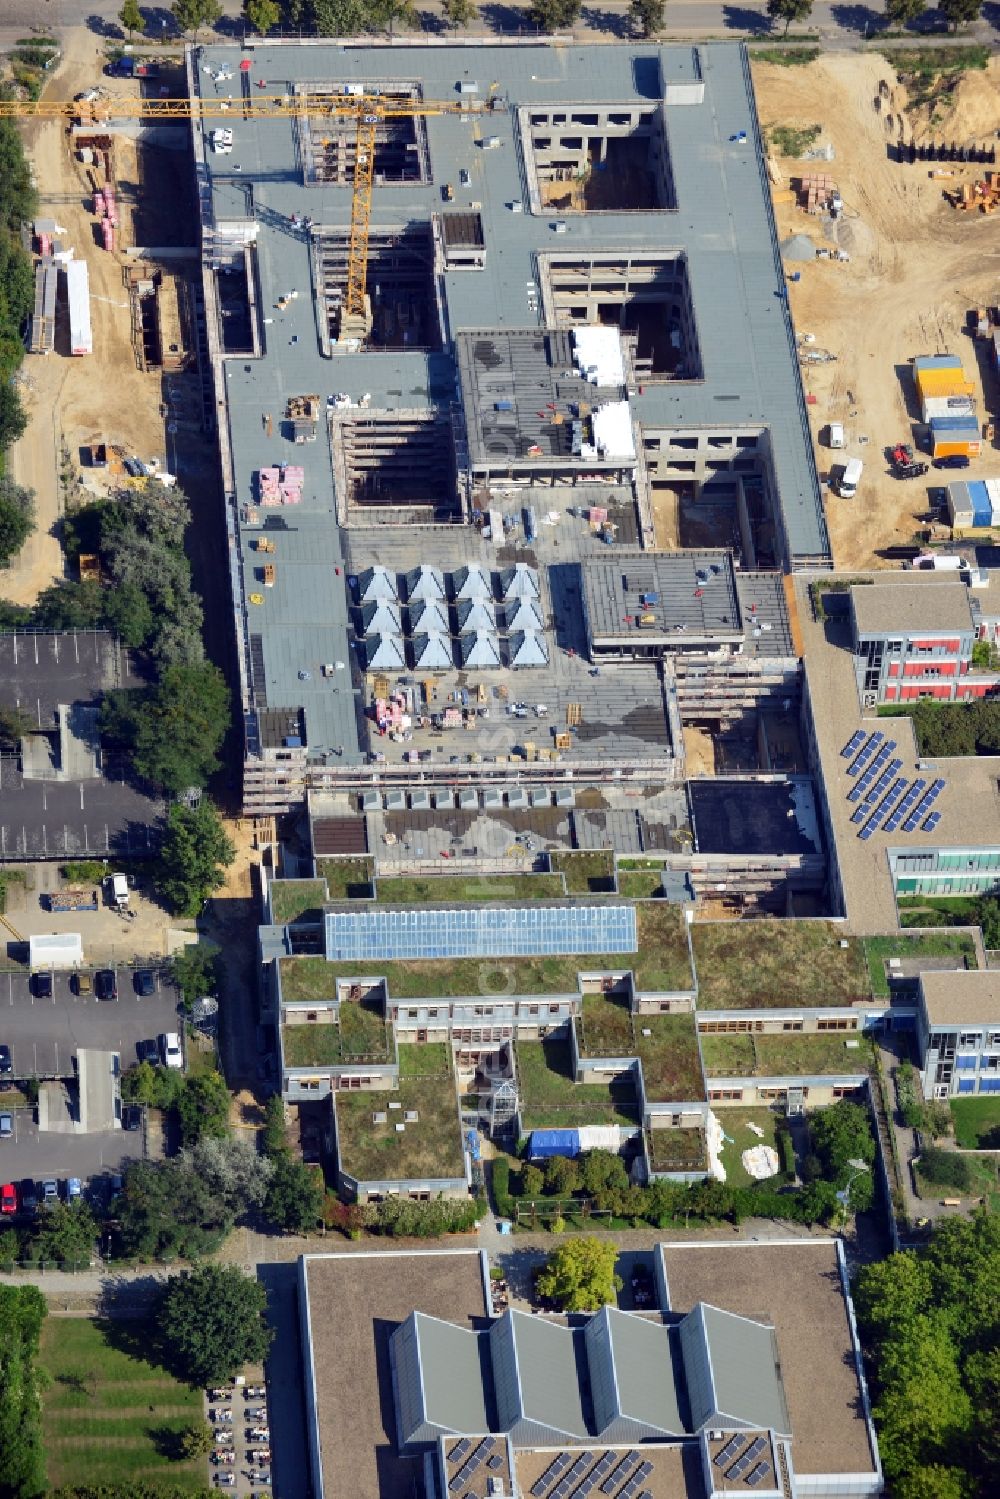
(461, 338)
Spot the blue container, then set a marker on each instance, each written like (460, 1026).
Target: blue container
(954, 424)
(937, 362)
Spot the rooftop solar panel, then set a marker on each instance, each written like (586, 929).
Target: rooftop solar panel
(853, 744)
(758, 1475)
(496, 1461)
(739, 1468)
(867, 831)
(931, 822)
(459, 1450)
(756, 1447)
(724, 1454)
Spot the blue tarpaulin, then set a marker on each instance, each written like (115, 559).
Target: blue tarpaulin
(549, 1142)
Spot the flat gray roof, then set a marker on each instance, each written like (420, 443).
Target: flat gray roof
(905, 606)
(962, 997)
(722, 225)
(695, 596)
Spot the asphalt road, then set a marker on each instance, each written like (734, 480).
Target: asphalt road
(43, 1034)
(840, 25)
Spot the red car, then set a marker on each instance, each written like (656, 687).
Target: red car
(8, 1198)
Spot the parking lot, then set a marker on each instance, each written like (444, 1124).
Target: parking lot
(39, 1154)
(44, 1034)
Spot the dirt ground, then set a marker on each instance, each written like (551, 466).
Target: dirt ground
(98, 397)
(917, 266)
(699, 751)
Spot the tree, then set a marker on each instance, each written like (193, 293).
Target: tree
(839, 1135)
(261, 15)
(459, 13)
(18, 198)
(580, 1276)
(211, 1323)
(192, 15)
(128, 613)
(389, 13)
(233, 1169)
(294, 1199)
(196, 971)
(647, 16)
(338, 17)
(532, 1181)
(203, 1107)
(167, 1209)
(789, 11)
(22, 1311)
(66, 1234)
(945, 1168)
(960, 12)
(562, 1176)
(132, 18)
(554, 15)
(273, 1140)
(603, 1171)
(904, 12)
(194, 856)
(17, 517)
(70, 606)
(12, 417)
(196, 1441)
(174, 730)
(14, 724)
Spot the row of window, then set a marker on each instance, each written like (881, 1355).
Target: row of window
(735, 1095)
(986, 1085)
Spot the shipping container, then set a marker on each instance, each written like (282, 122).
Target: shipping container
(996, 351)
(937, 406)
(993, 490)
(953, 424)
(78, 295)
(944, 383)
(937, 362)
(950, 445)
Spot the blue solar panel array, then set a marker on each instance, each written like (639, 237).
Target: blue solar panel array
(877, 794)
(492, 932)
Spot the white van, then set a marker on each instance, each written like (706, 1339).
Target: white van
(849, 477)
(835, 435)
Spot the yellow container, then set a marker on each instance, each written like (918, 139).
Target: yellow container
(943, 383)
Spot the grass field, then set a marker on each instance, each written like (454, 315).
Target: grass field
(736, 1124)
(927, 945)
(291, 900)
(977, 1122)
(110, 1417)
(745, 965)
(460, 888)
(552, 1100)
(985, 1171)
(348, 879)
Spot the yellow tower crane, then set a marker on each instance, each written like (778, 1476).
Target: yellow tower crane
(368, 110)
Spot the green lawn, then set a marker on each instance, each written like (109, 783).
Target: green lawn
(552, 1100)
(429, 1059)
(605, 1027)
(108, 1416)
(462, 888)
(428, 1148)
(977, 1121)
(291, 900)
(308, 978)
(640, 884)
(671, 1067)
(985, 1182)
(348, 879)
(736, 1124)
(744, 965)
(928, 945)
(789, 1055)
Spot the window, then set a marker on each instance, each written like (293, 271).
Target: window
(836, 1025)
(844, 1092)
(993, 1038)
(554, 1009)
(532, 1009)
(773, 1092)
(968, 1038)
(726, 1095)
(664, 1006)
(967, 1085)
(966, 1063)
(791, 1025)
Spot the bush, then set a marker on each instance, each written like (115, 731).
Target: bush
(945, 1168)
(401, 1217)
(786, 1150)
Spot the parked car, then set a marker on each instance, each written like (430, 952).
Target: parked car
(29, 1196)
(147, 1051)
(73, 1189)
(8, 1198)
(6, 1126)
(50, 1192)
(82, 984)
(170, 1049)
(954, 460)
(41, 985)
(106, 983)
(143, 982)
(131, 1116)
(6, 1065)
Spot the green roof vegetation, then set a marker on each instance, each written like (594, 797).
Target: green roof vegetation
(463, 888)
(109, 1417)
(605, 1027)
(745, 965)
(361, 1036)
(677, 1149)
(427, 1149)
(425, 1059)
(586, 873)
(552, 1100)
(309, 977)
(293, 900)
(977, 1122)
(671, 1066)
(640, 884)
(793, 1055)
(661, 964)
(348, 879)
(878, 950)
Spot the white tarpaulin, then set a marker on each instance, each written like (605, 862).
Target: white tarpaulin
(760, 1162)
(613, 435)
(598, 352)
(599, 1137)
(61, 950)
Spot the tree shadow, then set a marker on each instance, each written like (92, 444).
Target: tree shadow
(507, 18)
(738, 18)
(167, 1442)
(859, 18)
(619, 25)
(101, 26)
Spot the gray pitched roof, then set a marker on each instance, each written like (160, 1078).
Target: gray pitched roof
(732, 1369)
(632, 1372)
(439, 1377)
(384, 652)
(519, 582)
(432, 651)
(476, 614)
(376, 583)
(480, 649)
(544, 1357)
(471, 583)
(425, 583)
(528, 648)
(427, 615)
(381, 617)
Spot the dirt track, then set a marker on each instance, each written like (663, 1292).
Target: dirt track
(916, 267)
